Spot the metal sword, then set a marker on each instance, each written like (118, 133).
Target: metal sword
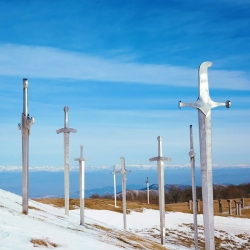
(81, 182)
(123, 172)
(25, 125)
(204, 104)
(160, 161)
(147, 184)
(66, 130)
(114, 173)
(192, 161)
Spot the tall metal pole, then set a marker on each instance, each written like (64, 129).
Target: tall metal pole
(147, 183)
(204, 104)
(66, 130)
(25, 125)
(160, 162)
(114, 173)
(81, 182)
(123, 172)
(192, 161)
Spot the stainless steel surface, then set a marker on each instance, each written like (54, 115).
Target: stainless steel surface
(123, 172)
(192, 161)
(25, 125)
(147, 184)
(204, 104)
(66, 130)
(114, 173)
(81, 161)
(160, 162)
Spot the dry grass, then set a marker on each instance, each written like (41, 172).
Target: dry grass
(34, 208)
(105, 204)
(41, 242)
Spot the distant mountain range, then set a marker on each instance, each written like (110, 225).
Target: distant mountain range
(109, 190)
(91, 168)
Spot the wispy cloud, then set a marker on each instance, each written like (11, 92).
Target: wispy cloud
(46, 62)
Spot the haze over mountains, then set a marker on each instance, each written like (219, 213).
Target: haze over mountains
(48, 181)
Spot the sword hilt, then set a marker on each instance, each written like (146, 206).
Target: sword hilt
(204, 103)
(81, 155)
(26, 121)
(159, 157)
(66, 128)
(66, 117)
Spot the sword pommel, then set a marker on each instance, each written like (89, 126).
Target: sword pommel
(159, 138)
(228, 104)
(180, 105)
(25, 83)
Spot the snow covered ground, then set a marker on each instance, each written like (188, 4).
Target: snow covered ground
(103, 229)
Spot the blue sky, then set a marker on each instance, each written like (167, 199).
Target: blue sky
(122, 67)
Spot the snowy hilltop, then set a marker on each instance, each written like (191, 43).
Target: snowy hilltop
(47, 225)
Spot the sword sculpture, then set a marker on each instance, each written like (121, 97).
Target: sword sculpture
(204, 104)
(123, 171)
(81, 180)
(114, 173)
(25, 125)
(66, 130)
(147, 184)
(192, 160)
(160, 161)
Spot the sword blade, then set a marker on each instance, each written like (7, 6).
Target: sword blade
(207, 178)
(66, 172)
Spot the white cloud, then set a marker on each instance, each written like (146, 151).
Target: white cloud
(46, 62)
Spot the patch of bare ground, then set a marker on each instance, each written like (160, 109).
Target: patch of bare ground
(42, 242)
(34, 208)
(181, 237)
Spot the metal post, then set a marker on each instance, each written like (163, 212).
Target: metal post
(66, 130)
(192, 161)
(123, 172)
(114, 173)
(239, 207)
(229, 207)
(204, 104)
(236, 207)
(81, 179)
(160, 161)
(198, 205)
(25, 125)
(220, 206)
(147, 184)
(189, 204)
(242, 202)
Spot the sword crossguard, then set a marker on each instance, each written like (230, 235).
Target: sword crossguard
(192, 154)
(204, 103)
(123, 169)
(160, 157)
(114, 170)
(66, 128)
(81, 155)
(26, 122)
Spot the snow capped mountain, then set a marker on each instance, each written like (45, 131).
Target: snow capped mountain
(91, 168)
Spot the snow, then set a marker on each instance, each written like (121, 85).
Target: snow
(50, 224)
